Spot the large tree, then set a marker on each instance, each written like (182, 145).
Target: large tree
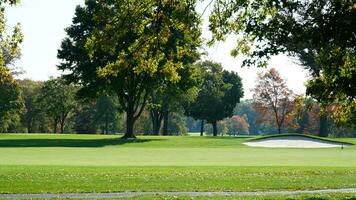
(320, 33)
(130, 47)
(57, 99)
(174, 97)
(273, 98)
(32, 117)
(11, 99)
(220, 92)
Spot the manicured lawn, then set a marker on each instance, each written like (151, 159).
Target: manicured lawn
(83, 163)
(54, 179)
(336, 196)
(75, 150)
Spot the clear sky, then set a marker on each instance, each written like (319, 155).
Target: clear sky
(43, 23)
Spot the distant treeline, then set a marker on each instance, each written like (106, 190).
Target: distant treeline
(52, 107)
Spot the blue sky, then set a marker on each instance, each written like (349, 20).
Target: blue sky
(43, 23)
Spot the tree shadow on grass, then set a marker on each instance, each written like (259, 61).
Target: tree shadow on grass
(229, 137)
(8, 143)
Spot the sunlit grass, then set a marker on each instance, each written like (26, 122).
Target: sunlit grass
(54, 179)
(93, 163)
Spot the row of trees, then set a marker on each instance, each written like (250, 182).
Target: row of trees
(320, 34)
(145, 53)
(55, 102)
(52, 106)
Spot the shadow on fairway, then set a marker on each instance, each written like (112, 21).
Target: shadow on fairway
(229, 137)
(70, 142)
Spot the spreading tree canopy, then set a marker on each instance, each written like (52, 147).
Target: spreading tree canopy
(130, 47)
(56, 98)
(173, 97)
(321, 33)
(11, 101)
(273, 99)
(220, 92)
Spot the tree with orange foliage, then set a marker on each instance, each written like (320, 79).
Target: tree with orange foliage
(273, 99)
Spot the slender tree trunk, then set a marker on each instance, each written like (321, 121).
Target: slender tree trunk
(215, 129)
(165, 122)
(106, 124)
(323, 128)
(62, 127)
(202, 128)
(279, 129)
(55, 123)
(29, 126)
(156, 122)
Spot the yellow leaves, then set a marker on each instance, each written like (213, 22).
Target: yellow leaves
(4, 72)
(89, 46)
(149, 66)
(243, 47)
(170, 71)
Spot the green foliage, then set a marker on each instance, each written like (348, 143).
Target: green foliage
(9, 42)
(175, 97)
(84, 118)
(130, 48)
(336, 84)
(11, 101)
(143, 125)
(320, 34)
(219, 94)
(57, 100)
(221, 126)
(107, 115)
(32, 119)
(177, 124)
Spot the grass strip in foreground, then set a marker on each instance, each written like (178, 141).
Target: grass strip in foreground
(330, 196)
(45, 179)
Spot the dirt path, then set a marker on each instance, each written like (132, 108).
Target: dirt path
(134, 194)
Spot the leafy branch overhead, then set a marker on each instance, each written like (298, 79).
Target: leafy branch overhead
(130, 48)
(320, 34)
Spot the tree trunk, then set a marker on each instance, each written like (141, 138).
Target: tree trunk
(323, 128)
(29, 126)
(55, 123)
(165, 122)
(62, 127)
(130, 121)
(156, 122)
(106, 124)
(279, 129)
(202, 128)
(215, 129)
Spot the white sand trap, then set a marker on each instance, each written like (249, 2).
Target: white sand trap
(293, 142)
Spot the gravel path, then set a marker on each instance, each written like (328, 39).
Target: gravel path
(134, 194)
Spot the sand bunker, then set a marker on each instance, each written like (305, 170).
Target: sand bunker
(293, 142)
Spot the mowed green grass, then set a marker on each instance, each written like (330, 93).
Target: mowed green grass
(334, 196)
(77, 150)
(89, 163)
